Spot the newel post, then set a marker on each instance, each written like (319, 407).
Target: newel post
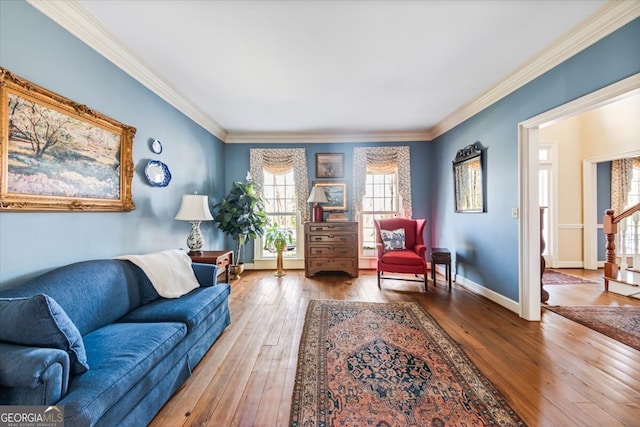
(610, 230)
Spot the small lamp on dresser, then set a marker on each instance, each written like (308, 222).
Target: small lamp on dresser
(316, 197)
(194, 208)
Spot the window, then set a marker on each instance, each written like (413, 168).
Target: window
(547, 192)
(544, 188)
(380, 201)
(631, 225)
(633, 197)
(283, 178)
(279, 192)
(381, 188)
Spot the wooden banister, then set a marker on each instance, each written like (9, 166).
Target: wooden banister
(610, 229)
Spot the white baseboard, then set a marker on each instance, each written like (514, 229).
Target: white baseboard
(501, 300)
(570, 264)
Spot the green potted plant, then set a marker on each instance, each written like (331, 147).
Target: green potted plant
(241, 215)
(276, 240)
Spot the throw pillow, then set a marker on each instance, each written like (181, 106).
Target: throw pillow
(393, 239)
(40, 321)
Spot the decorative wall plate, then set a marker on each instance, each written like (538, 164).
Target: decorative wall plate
(157, 173)
(156, 146)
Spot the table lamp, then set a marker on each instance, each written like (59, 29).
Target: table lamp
(194, 208)
(316, 197)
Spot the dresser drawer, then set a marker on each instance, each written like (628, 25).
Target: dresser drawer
(222, 262)
(331, 251)
(330, 237)
(332, 227)
(332, 264)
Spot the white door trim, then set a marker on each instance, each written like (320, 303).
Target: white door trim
(529, 225)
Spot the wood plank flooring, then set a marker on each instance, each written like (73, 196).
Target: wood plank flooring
(553, 373)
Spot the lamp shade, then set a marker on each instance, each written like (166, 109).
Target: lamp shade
(317, 195)
(195, 207)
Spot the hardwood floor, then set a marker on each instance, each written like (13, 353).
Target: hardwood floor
(553, 373)
(586, 294)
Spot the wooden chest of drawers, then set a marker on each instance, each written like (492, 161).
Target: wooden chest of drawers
(331, 246)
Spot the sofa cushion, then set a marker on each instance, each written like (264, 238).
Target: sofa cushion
(190, 309)
(92, 293)
(120, 355)
(40, 321)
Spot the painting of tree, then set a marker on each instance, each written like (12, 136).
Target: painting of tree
(59, 154)
(55, 154)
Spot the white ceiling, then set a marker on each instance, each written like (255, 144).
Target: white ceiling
(267, 70)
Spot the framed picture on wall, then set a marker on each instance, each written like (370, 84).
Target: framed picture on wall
(329, 165)
(336, 192)
(60, 155)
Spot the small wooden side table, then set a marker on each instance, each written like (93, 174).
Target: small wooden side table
(441, 256)
(223, 259)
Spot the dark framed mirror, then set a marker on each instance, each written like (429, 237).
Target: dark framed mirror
(467, 179)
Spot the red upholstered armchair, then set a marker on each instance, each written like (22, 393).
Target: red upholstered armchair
(397, 255)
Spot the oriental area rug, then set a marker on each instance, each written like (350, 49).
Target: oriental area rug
(553, 277)
(379, 364)
(622, 323)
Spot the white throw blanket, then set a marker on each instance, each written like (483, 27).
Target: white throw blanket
(170, 271)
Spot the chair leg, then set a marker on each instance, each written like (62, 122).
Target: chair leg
(426, 287)
(379, 274)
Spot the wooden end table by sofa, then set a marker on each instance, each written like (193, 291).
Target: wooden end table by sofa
(223, 259)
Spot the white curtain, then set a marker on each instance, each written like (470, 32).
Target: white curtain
(382, 160)
(281, 160)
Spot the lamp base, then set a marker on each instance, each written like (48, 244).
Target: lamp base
(195, 241)
(318, 214)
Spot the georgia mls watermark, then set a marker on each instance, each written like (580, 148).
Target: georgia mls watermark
(31, 416)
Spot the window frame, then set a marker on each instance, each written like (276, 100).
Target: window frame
(259, 253)
(366, 229)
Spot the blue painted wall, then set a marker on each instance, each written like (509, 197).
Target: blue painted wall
(486, 245)
(34, 47)
(237, 161)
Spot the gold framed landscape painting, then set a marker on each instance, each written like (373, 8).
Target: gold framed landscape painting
(336, 192)
(58, 155)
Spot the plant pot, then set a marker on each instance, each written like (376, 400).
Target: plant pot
(236, 270)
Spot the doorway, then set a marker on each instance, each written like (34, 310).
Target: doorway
(528, 153)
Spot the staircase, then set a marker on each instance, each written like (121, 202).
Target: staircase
(622, 269)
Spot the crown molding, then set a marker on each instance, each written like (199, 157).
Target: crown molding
(603, 22)
(71, 16)
(75, 19)
(326, 137)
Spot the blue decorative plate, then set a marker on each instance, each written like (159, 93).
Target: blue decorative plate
(157, 173)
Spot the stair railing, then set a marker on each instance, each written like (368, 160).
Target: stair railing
(610, 225)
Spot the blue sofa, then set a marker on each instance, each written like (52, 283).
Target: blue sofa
(96, 338)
